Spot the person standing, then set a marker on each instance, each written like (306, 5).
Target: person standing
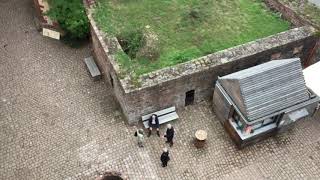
(140, 138)
(153, 124)
(169, 134)
(165, 157)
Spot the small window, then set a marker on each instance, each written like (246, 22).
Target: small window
(277, 118)
(231, 111)
(236, 116)
(189, 98)
(268, 121)
(236, 119)
(256, 125)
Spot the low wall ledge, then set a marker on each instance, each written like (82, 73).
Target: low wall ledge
(216, 59)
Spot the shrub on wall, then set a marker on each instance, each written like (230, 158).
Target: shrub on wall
(131, 40)
(71, 17)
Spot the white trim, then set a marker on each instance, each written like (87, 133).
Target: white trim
(312, 77)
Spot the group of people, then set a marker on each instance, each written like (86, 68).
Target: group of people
(153, 123)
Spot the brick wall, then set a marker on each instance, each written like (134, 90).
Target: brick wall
(38, 10)
(172, 92)
(296, 20)
(289, 14)
(108, 67)
(43, 21)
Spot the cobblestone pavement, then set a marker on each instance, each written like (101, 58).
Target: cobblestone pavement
(56, 123)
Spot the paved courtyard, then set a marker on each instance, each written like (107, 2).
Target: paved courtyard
(56, 123)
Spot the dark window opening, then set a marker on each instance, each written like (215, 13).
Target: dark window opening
(231, 112)
(189, 98)
(111, 80)
(236, 119)
(236, 116)
(267, 122)
(278, 118)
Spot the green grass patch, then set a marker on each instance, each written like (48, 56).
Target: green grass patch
(184, 29)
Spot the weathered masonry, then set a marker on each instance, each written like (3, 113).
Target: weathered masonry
(43, 21)
(262, 100)
(193, 81)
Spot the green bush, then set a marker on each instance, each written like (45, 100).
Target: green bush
(131, 41)
(71, 17)
(151, 47)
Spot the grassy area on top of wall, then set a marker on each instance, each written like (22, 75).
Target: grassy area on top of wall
(186, 29)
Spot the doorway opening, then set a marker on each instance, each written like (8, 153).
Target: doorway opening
(111, 80)
(111, 176)
(189, 98)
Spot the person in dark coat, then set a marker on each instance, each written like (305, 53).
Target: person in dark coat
(165, 157)
(154, 124)
(169, 134)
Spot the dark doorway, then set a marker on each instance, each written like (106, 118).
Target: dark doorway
(112, 178)
(111, 80)
(189, 98)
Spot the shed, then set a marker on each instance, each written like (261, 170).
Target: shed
(266, 88)
(264, 99)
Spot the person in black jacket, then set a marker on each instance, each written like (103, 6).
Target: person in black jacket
(165, 157)
(169, 134)
(154, 124)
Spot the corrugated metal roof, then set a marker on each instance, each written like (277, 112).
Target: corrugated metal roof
(267, 88)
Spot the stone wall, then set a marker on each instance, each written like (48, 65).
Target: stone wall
(41, 20)
(287, 13)
(297, 20)
(38, 10)
(105, 61)
(167, 87)
(317, 58)
(314, 55)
